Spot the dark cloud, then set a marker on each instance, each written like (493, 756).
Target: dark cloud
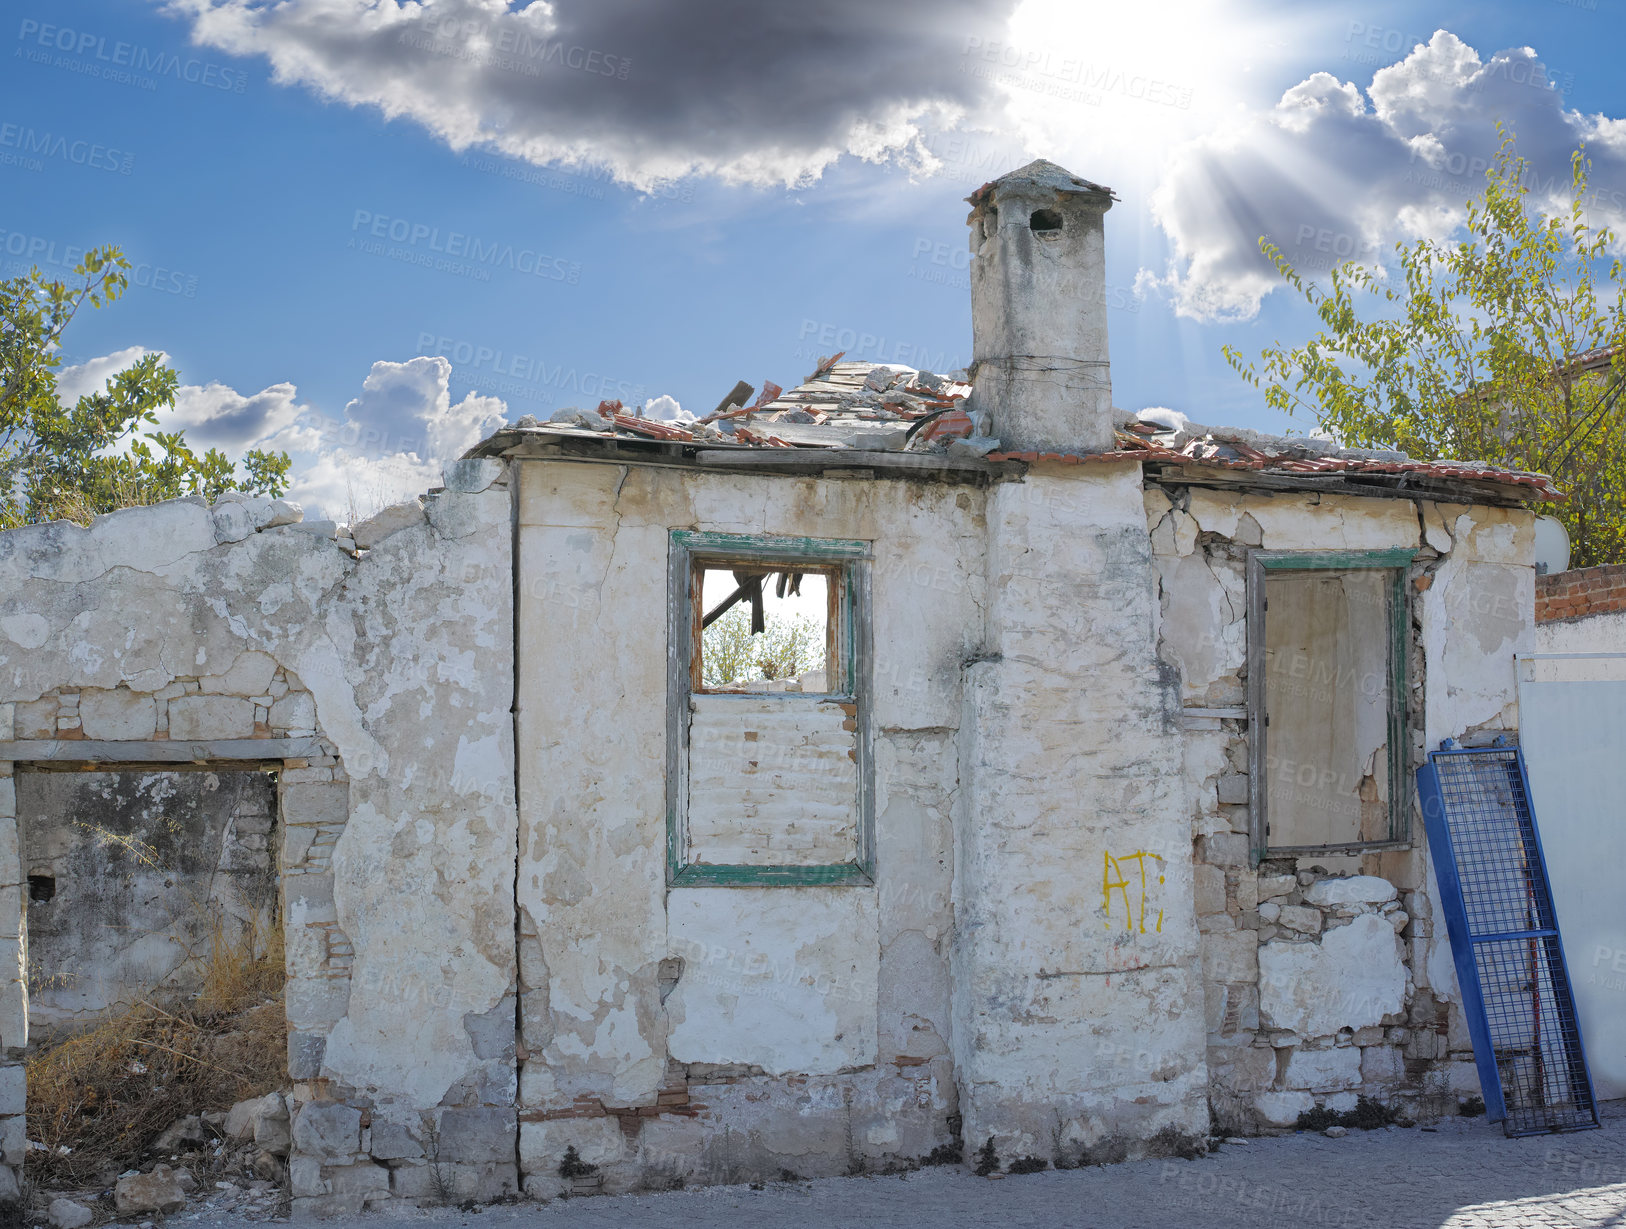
(737, 88)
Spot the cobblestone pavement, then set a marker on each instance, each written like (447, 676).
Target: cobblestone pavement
(1463, 1174)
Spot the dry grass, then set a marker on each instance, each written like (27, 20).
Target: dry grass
(107, 1093)
(73, 505)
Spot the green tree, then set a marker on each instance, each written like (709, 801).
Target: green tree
(61, 462)
(1507, 345)
(730, 654)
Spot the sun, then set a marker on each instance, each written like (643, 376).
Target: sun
(1109, 89)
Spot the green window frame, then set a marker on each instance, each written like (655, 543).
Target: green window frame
(849, 563)
(1261, 563)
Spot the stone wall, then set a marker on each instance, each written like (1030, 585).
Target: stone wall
(392, 648)
(1327, 975)
(133, 877)
(483, 988)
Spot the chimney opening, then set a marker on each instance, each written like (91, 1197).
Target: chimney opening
(41, 888)
(1045, 221)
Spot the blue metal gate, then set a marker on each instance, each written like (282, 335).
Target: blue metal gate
(1499, 916)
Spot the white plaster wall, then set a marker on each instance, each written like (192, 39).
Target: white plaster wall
(797, 981)
(785, 979)
(408, 654)
(1600, 633)
(1478, 613)
(1069, 1015)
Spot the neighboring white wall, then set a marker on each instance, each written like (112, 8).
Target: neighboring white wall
(1574, 739)
(1599, 633)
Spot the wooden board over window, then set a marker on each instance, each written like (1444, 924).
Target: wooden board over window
(1327, 645)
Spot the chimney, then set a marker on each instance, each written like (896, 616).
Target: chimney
(1038, 310)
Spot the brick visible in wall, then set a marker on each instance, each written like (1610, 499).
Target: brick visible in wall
(1581, 592)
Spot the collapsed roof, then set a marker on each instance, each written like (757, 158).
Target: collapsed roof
(888, 417)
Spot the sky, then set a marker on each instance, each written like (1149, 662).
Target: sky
(370, 231)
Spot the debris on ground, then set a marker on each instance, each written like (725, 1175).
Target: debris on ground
(164, 1102)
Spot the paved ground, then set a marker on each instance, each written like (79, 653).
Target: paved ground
(1463, 1174)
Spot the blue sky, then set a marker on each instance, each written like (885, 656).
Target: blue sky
(677, 206)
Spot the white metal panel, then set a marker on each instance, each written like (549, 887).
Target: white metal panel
(1572, 718)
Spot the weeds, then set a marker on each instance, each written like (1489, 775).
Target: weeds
(573, 1166)
(98, 1099)
(987, 1159)
(1368, 1115)
(442, 1189)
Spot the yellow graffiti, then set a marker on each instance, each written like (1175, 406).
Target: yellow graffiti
(1133, 916)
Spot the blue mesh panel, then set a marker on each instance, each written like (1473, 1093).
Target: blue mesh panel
(1498, 909)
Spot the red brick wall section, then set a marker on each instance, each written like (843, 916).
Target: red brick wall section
(1581, 592)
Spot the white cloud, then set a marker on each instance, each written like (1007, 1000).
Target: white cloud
(388, 444)
(407, 408)
(1331, 173)
(218, 416)
(91, 376)
(667, 409)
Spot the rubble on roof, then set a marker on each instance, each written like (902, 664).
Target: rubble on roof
(872, 406)
(887, 407)
(1167, 437)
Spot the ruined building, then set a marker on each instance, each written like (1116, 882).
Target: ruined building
(1089, 830)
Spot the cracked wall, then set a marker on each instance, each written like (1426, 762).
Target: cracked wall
(1328, 976)
(719, 1033)
(394, 646)
(1077, 1031)
(1057, 692)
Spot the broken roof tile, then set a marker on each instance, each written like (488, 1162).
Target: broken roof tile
(873, 406)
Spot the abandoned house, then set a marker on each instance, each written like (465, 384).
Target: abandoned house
(1085, 828)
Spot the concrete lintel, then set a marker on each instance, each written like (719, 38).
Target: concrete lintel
(79, 751)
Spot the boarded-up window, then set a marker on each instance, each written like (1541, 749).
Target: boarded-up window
(769, 759)
(1326, 671)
